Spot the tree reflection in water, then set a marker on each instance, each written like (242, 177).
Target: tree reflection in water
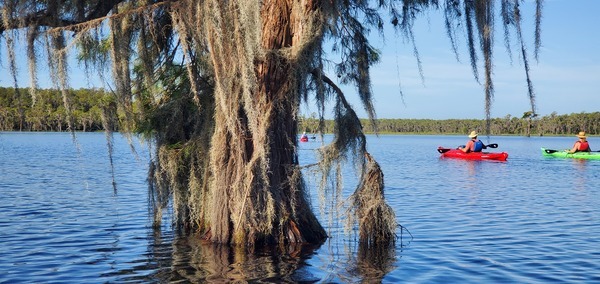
(374, 262)
(189, 259)
(195, 260)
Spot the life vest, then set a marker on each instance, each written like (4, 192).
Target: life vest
(477, 146)
(583, 147)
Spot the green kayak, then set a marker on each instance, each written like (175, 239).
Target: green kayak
(564, 154)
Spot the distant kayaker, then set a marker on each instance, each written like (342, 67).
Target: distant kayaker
(304, 137)
(474, 144)
(582, 144)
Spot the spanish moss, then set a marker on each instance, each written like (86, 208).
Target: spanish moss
(216, 87)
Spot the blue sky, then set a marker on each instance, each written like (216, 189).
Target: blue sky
(566, 78)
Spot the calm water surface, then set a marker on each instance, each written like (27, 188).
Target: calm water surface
(528, 220)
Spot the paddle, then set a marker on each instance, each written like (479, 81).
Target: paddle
(493, 145)
(443, 150)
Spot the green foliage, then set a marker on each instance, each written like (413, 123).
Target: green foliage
(19, 113)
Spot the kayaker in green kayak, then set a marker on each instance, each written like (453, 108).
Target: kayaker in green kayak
(581, 145)
(474, 144)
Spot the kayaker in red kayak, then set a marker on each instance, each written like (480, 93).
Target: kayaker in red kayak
(474, 145)
(304, 137)
(581, 145)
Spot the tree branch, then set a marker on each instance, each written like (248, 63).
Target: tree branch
(52, 20)
(318, 74)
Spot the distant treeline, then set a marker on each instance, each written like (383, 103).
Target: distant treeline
(553, 124)
(19, 112)
(45, 110)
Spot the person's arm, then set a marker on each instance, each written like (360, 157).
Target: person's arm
(467, 147)
(575, 148)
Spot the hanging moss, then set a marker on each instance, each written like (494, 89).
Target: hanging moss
(219, 85)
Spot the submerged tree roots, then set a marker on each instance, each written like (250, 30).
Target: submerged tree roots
(376, 219)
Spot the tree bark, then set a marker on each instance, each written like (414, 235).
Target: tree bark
(258, 194)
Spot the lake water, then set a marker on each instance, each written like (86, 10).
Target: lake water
(527, 220)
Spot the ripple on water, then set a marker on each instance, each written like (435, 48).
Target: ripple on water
(528, 220)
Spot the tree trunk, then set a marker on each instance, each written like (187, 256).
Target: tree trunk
(257, 191)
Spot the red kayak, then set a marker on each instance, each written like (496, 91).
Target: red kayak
(455, 153)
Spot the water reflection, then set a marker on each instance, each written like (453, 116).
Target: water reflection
(580, 166)
(375, 262)
(195, 260)
(55, 228)
(189, 259)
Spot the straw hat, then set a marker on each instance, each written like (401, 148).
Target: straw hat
(473, 134)
(581, 134)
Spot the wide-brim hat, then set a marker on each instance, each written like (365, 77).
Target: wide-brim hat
(473, 134)
(581, 134)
